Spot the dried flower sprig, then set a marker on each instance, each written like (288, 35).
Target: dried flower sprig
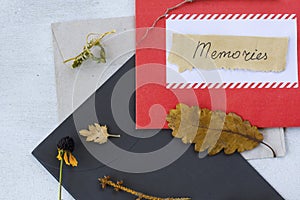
(87, 50)
(65, 147)
(96, 133)
(168, 10)
(119, 186)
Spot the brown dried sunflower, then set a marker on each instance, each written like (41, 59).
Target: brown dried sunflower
(65, 147)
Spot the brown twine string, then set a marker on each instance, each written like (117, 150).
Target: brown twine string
(168, 10)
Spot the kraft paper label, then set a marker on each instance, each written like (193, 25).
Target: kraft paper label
(266, 54)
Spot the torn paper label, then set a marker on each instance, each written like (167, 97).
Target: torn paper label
(266, 54)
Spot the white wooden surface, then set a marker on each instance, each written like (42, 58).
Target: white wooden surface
(28, 107)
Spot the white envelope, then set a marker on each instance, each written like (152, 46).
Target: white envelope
(74, 86)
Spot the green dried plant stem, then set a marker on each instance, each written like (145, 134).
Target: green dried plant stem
(94, 42)
(118, 186)
(86, 53)
(60, 176)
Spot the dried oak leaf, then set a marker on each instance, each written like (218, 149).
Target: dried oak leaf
(213, 131)
(96, 133)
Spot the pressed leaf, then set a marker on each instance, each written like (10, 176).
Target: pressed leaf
(213, 131)
(96, 133)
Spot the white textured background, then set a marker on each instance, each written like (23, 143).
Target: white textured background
(28, 107)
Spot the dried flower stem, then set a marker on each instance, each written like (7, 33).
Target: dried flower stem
(65, 147)
(163, 16)
(87, 53)
(118, 186)
(60, 176)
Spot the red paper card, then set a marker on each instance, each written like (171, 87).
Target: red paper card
(272, 101)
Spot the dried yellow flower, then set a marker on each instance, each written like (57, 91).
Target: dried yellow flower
(65, 147)
(96, 133)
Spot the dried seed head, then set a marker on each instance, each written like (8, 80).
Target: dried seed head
(66, 144)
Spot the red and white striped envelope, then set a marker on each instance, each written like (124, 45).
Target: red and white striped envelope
(265, 99)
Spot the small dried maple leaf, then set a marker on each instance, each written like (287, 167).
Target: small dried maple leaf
(96, 133)
(213, 131)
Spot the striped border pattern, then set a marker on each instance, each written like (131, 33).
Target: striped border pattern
(260, 85)
(231, 16)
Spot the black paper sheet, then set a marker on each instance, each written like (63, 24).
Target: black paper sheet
(220, 177)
